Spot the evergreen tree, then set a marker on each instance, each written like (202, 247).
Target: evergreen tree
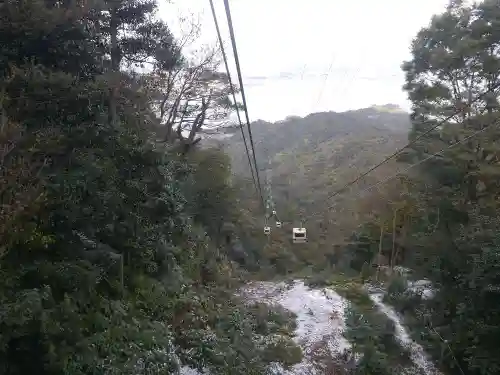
(455, 67)
(102, 268)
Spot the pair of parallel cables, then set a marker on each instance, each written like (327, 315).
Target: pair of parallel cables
(256, 177)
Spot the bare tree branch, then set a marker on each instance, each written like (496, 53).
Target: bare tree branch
(195, 96)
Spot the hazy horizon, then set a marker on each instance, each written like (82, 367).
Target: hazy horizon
(287, 48)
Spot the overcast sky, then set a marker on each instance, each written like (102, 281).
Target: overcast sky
(286, 48)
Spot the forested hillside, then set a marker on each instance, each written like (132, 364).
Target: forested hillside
(296, 135)
(310, 158)
(113, 254)
(126, 233)
(439, 217)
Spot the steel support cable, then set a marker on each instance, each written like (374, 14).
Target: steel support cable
(238, 69)
(326, 76)
(224, 56)
(397, 152)
(269, 196)
(437, 154)
(270, 201)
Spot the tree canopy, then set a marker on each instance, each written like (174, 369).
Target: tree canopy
(109, 260)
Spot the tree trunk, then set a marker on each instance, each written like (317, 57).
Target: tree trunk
(393, 260)
(379, 256)
(404, 232)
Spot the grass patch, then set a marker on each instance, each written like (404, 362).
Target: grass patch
(284, 350)
(272, 319)
(330, 278)
(275, 326)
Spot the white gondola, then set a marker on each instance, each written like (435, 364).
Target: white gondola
(299, 235)
(267, 230)
(278, 224)
(274, 212)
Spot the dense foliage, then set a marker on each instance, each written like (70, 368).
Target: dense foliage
(122, 238)
(442, 220)
(109, 256)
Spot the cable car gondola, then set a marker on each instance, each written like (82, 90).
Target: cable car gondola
(278, 224)
(299, 235)
(267, 230)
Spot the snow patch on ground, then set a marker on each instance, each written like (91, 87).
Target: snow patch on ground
(186, 370)
(321, 324)
(418, 355)
(320, 318)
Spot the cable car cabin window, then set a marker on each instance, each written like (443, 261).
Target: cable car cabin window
(300, 235)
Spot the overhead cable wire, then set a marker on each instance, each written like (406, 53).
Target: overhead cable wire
(433, 330)
(326, 76)
(349, 78)
(409, 144)
(437, 154)
(224, 56)
(238, 69)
